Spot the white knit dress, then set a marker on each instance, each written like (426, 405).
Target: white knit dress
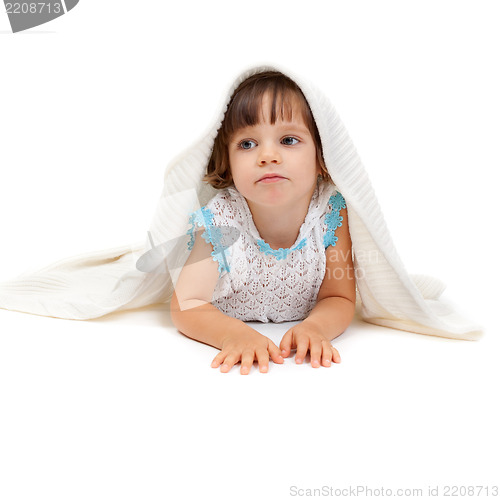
(256, 282)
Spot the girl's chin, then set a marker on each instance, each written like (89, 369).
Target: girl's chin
(271, 197)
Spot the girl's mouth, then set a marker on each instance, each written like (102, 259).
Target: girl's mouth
(273, 178)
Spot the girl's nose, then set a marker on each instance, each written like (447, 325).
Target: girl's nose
(268, 154)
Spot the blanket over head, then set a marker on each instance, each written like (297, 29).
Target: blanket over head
(144, 273)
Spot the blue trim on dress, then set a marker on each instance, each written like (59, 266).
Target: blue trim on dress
(204, 217)
(333, 219)
(281, 253)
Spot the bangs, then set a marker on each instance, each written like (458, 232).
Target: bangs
(246, 109)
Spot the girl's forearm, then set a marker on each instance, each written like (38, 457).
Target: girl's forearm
(205, 322)
(332, 315)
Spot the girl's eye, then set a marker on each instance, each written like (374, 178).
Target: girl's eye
(246, 144)
(289, 143)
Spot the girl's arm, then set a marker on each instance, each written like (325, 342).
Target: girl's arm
(334, 309)
(194, 316)
(336, 299)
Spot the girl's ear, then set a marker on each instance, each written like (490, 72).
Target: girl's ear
(318, 169)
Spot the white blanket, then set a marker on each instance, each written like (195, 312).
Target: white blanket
(94, 284)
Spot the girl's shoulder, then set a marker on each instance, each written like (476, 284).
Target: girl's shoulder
(327, 192)
(224, 196)
(226, 207)
(223, 218)
(336, 201)
(326, 199)
(332, 218)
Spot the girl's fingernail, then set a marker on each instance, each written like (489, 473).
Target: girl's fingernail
(283, 352)
(327, 362)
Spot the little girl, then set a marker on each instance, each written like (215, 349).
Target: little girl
(290, 255)
(272, 241)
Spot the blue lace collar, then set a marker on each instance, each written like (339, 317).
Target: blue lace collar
(280, 253)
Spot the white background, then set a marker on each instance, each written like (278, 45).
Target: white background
(93, 106)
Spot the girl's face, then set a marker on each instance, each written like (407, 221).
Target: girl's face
(274, 165)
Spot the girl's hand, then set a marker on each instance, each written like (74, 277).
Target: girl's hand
(247, 346)
(308, 337)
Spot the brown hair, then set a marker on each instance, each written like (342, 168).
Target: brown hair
(244, 109)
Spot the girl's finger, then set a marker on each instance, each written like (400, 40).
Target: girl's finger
(246, 362)
(315, 349)
(274, 352)
(302, 347)
(218, 359)
(263, 360)
(231, 359)
(286, 344)
(336, 355)
(327, 353)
